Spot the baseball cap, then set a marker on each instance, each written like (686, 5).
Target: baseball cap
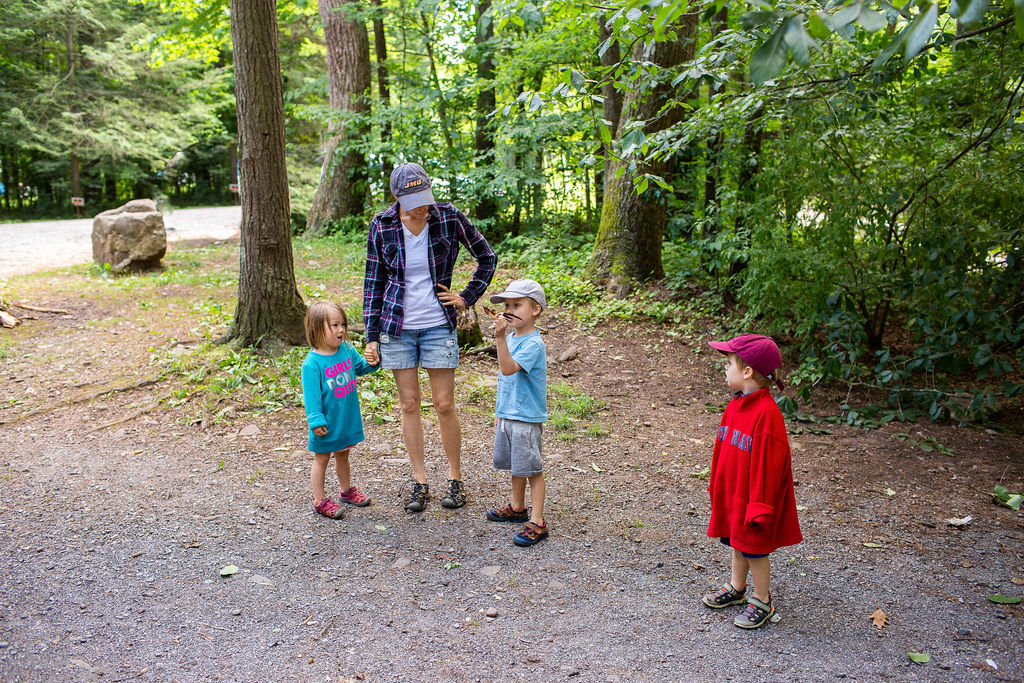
(757, 351)
(518, 289)
(411, 184)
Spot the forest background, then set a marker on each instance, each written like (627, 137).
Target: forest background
(846, 176)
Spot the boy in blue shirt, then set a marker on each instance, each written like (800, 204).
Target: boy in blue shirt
(522, 406)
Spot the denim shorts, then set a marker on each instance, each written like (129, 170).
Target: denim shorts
(434, 347)
(517, 447)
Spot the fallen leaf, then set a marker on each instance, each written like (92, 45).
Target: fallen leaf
(959, 521)
(873, 545)
(1017, 581)
(919, 657)
(879, 618)
(596, 468)
(229, 570)
(801, 508)
(380, 527)
(890, 492)
(1005, 599)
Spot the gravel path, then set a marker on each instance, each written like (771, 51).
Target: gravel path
(118, 513)
(44, 245)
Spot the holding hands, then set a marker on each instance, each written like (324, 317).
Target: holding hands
(372, 353)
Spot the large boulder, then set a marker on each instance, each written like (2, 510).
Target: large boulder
(130, 237)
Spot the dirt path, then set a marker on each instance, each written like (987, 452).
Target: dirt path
(117, 515)
(42, 245)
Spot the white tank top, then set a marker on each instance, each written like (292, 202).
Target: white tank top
(422, 309)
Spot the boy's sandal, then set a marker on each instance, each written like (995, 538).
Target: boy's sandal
(456, 496)
(531, 535)
(508, 514)
(756, 614)
(725, 596)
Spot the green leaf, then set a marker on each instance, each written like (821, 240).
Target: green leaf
(869, 544)
(229, 570)
(596, 468)
(380, 527)
(846, 15)
(889, 50)
(798, 42)
(919, 657)
(1005, 599)
(577, 81)
(920, 31)
(606, 134)
(969, 12)
(870, 20)
(1019, 10)
(817, 27)
(535, 102)
(641, 186)
(769, 59)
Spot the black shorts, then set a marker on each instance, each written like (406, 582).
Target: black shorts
(749, 556)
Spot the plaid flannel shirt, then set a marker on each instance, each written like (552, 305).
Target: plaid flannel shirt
(384, 283)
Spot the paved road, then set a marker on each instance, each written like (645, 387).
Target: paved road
(42, 245)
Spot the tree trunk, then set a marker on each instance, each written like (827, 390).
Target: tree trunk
(270, 310)
(343, 180)
(380, 47)
(611, 103)
(486, 207)
(628, 244)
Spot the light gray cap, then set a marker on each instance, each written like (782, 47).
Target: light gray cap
(517, 289)
(411, 184)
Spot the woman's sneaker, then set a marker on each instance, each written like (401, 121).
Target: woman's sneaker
(456, 496)
(756, 614)
(725, 596)
(354, 496)
(531, 535)
(417, 499)
(508, 514)
(328, 508)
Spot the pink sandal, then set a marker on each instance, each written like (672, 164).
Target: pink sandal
(354, 496)
(328, 508)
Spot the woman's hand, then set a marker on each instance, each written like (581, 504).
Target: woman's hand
(372, 353)
(320, 431)
(450, 298)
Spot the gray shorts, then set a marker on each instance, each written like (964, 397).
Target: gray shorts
(517, 447)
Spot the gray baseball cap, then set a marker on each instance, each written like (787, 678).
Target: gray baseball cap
(411, 184)
(518, 289)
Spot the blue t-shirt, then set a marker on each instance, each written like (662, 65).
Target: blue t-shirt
(331, 398)
(523, 396)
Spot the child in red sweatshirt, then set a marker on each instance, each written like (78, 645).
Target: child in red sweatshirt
(753, 508)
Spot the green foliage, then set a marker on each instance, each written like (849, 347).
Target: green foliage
(1001, 496)
(570, 411)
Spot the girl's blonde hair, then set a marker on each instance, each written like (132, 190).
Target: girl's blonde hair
(316, 322)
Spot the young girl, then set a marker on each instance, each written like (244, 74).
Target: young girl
(332, 403)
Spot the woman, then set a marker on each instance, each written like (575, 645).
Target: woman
(410, 313)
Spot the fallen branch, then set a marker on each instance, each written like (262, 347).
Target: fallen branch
(8, 320)
(39, 309)
(53, 405)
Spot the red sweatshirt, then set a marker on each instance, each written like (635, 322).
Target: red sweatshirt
(751, 484)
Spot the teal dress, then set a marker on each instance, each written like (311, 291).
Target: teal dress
(331, 397)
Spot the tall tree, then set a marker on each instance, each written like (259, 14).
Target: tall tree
(486, 207)
(380, 48)
(342, 191)
(270, 310)
(628, 243)
(611, 98)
